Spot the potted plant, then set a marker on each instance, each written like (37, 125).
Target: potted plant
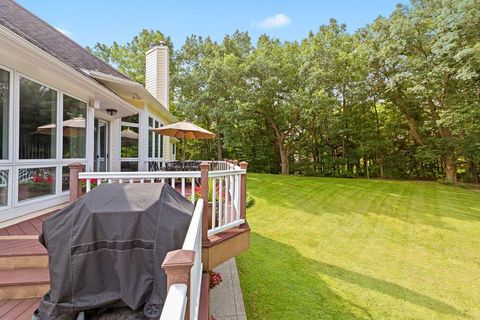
(93, 184)
(40, 183)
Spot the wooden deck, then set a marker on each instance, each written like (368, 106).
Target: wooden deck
(20, 309)
(23, 250)
(31, 227)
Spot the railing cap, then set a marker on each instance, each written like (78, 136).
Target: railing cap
(179, 259)
(204, 165)
(75, 165)
(243, 165)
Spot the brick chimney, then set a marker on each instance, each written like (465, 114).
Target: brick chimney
(157, 72)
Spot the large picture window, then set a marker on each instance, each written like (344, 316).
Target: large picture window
(74, 128)
(38, 121)
(4, 113)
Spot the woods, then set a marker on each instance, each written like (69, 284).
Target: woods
(399, 98)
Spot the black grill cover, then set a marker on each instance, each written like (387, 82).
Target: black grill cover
(107, 248)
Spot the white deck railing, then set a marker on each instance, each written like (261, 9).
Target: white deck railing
(225, 200)
(187, 179)
(224, 192)
(226, 185)
(176, 302)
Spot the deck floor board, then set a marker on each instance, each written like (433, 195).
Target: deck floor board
(30, 227)
(18, 309)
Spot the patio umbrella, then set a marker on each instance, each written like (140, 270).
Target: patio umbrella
(70, 127)
(184, 130)
(129, 134)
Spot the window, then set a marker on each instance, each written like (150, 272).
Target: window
(127, 166)
(129, 142)
(4, 113)
(74, 128)
(131, 119)
(155, 140)
(38, 121)
(35, 182)
(4, 187)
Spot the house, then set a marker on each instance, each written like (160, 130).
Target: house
(70, 122)
(60, 104)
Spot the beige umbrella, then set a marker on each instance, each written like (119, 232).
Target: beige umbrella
(70, 127)
(184, 130)
(129, 134)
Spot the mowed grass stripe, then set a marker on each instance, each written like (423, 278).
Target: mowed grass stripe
(361, 249)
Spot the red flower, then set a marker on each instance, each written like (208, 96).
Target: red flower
(37, 179)
(215, 279)
(49, 180)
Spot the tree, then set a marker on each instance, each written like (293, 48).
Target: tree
(130, 58)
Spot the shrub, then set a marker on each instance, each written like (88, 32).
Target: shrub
(445, 182)
(250, 200)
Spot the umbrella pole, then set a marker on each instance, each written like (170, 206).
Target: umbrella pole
(183, 142)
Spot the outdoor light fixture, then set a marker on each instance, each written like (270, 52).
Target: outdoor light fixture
(112, 112)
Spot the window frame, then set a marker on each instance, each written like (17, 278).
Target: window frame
(69, 160)
(17, 159)
(16, 184)
(160, 156)
(10, 187)
(11, 123)
(133, 125)
(58, 162)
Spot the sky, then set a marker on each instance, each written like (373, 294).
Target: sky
(105, 21)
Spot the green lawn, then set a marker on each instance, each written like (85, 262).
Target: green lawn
(361, 249)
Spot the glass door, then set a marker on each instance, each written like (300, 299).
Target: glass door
(101, 145)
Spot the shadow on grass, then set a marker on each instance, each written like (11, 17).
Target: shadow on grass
(279, 283)
(411, 202)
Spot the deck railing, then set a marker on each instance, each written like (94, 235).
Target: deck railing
(219, 192)
(184, 268)
(221, 189)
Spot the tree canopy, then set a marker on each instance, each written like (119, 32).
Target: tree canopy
(399, 98)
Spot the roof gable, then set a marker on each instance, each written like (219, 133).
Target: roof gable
(33, 29)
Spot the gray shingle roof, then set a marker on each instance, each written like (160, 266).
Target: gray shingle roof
(33, 29)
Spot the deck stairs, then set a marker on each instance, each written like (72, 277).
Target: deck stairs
(23, 261)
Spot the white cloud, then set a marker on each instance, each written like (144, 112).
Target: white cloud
(276, 21)
(64, 31)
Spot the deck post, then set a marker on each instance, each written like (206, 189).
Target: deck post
(204, 192)
(75, 183)
(177, 266)
(243, 191)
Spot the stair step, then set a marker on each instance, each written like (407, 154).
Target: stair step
(17, 254)
(23, 247)
(24, 283)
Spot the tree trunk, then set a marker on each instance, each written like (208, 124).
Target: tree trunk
(474, 171)
(382, 164)
(219, 147)
(450, 169)
(367, 171)
(283, 159)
